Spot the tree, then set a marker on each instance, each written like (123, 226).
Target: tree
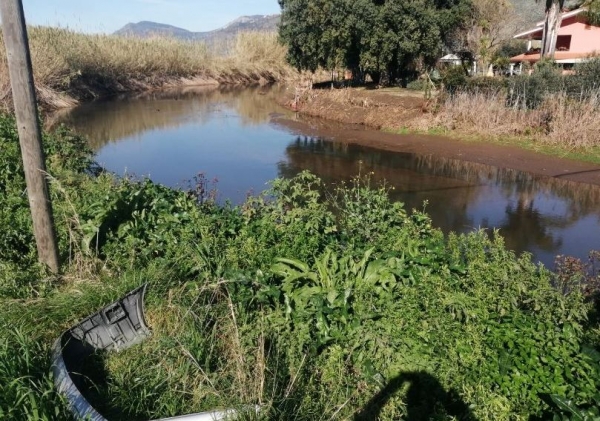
(552, 24)
(396, 37)
(489, 26)
(388, 38)
(593, 10)
(317, 32)
(505, 50)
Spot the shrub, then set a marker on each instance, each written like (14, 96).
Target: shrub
(490, 86)
(588, 74)
(529, 91)
(585, 83)
(416, 85)
(454, 78)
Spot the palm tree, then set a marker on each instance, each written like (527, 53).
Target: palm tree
(593, 10)
(551, 26)
(553, 21)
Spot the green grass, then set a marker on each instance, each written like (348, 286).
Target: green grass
(315, 303)
(26, 390)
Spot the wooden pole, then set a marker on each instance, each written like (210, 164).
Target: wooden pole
(28, 125)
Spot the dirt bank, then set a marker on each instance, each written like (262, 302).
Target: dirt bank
(376, 108)
(88, 90)
(501, 156)
(395, 109)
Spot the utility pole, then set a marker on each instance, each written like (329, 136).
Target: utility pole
(28, 125)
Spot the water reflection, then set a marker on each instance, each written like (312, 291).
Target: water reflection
(546, 216)
(228, 134)
(129, 115)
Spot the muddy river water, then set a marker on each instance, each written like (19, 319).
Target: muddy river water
(241, 139)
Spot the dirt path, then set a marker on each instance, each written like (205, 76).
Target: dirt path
(480, 152)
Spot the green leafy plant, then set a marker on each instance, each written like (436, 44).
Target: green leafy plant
(568, 410)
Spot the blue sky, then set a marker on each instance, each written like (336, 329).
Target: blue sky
(110, 15)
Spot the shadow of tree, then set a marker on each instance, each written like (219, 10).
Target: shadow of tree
(426, 399)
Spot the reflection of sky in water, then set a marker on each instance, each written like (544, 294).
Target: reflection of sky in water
(218, 148)
(227, 136)
(488, 209)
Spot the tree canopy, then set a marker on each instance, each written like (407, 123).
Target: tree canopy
(380, 37)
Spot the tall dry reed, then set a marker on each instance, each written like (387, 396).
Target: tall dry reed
(559, 120)
(83, 65)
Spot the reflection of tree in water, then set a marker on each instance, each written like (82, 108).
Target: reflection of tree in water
(112, 120)
(453, 186)
(527, 225)
(335, 162)
(581, 198)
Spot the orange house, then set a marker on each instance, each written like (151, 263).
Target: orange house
(577, 41)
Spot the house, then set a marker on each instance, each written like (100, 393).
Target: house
(577, 41)
(451, 59)
(461, 58)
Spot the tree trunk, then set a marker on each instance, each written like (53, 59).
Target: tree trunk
(557, 24)
(375, 77)
(551, 26)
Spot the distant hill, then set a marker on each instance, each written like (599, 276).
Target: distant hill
(527, 13)
(145, 29)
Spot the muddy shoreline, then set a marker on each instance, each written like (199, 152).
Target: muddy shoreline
(500, 156)
(335, 124)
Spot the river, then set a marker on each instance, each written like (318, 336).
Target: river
(239, 139)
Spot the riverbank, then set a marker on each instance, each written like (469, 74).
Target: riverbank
(493, 154)
(484, 123)
(71, 67)
(312, 306)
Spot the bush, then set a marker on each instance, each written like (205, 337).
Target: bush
(585, 83)
(454, 78)
(416, 85)
(529, 91)
(485, 85)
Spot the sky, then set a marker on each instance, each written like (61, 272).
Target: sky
(109, 15)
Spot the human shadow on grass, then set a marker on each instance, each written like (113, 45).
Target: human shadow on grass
(426, 399)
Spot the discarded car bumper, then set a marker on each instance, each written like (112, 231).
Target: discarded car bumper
(116, 327)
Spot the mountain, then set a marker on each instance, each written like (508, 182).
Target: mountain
(527, 13)
(145, 29)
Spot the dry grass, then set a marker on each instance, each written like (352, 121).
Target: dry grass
(69, 66)
(571, 122)
(559, 121)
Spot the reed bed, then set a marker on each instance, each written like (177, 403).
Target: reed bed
(70, 66)
(560, 120)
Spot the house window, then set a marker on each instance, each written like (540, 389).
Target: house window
(563, 43)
